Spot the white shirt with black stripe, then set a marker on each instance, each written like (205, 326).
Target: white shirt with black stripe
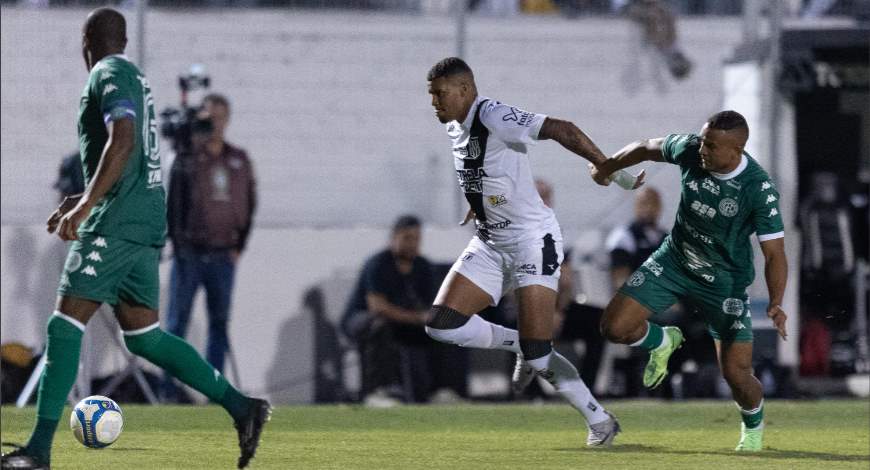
(490, 148)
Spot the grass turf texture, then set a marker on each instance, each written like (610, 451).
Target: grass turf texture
(829, 434)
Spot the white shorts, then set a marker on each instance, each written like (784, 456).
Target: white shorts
(497, 272)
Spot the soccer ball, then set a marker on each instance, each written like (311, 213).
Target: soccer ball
(96, 421)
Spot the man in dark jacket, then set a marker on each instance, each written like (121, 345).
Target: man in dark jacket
(211, 202)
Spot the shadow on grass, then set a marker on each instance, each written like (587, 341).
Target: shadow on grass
(767, 453)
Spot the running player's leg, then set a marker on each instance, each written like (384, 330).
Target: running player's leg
(537, 306)
(474, 282)
(454, 318)
(652, 288)
(136, 311)
(735, 361)
(62, 347)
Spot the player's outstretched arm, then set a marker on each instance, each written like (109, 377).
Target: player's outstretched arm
(776, 275)
(572, 138)
(122, 138)
(630, 155)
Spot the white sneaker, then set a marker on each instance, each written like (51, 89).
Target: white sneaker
(522, 376)
(603, 433)
(380, 399)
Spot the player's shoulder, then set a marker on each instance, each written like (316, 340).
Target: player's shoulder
(683, 140)
(755, 175)
(114, 70)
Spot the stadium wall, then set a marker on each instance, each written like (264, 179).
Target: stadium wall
(333, 109)
(328, 103)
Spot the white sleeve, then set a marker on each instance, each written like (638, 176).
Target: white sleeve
(512, 124)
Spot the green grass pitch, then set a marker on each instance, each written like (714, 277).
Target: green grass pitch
(826, 434)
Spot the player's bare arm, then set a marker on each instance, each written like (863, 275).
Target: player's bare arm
(379, 305)
(630, 155)
(776, 275)
(122, 138)
(572, 138)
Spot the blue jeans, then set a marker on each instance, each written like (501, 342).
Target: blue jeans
(215, 271)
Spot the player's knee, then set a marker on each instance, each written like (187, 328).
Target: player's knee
(449, 326)
(737, 374)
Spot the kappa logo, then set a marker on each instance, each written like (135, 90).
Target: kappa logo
(109, 88)
(100, 242)
(106, 75)
(94, 256)
(773, 212)
(732, 306)
(636, 279)
(728, 207)
(766, 185)
(90, 271)
(738, 326)
(693, 185)
(771, 198)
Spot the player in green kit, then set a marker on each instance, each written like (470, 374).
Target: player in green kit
(706, 261)
(117, 227)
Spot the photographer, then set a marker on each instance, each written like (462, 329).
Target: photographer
(210, 210)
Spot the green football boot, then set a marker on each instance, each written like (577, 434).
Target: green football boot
(657, 367)
(750, 439)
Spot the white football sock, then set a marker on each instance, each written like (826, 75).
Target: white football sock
(564, 377)
(479, 333)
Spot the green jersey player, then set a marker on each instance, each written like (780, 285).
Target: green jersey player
(117, 227)
(706, 261)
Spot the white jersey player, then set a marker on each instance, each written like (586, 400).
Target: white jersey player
(518, 245)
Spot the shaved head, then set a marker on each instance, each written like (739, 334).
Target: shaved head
(104, 33)
(732, 122)
(723, 138)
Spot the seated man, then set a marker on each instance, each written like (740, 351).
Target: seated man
(386, 315)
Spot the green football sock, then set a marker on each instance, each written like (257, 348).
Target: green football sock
(653, 338)
(62, 348)
(179, 358)
(754, 417)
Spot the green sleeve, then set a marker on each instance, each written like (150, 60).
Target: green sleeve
(681, 149)
(115, 92)
(766, 216)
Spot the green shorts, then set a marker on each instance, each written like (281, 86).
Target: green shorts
(661, 281)
(106, 269)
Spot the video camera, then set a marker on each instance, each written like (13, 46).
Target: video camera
(181, 123)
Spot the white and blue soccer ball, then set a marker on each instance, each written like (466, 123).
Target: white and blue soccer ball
(96, 421)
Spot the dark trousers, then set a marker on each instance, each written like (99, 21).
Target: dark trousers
(215, 271)
(410, 362)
